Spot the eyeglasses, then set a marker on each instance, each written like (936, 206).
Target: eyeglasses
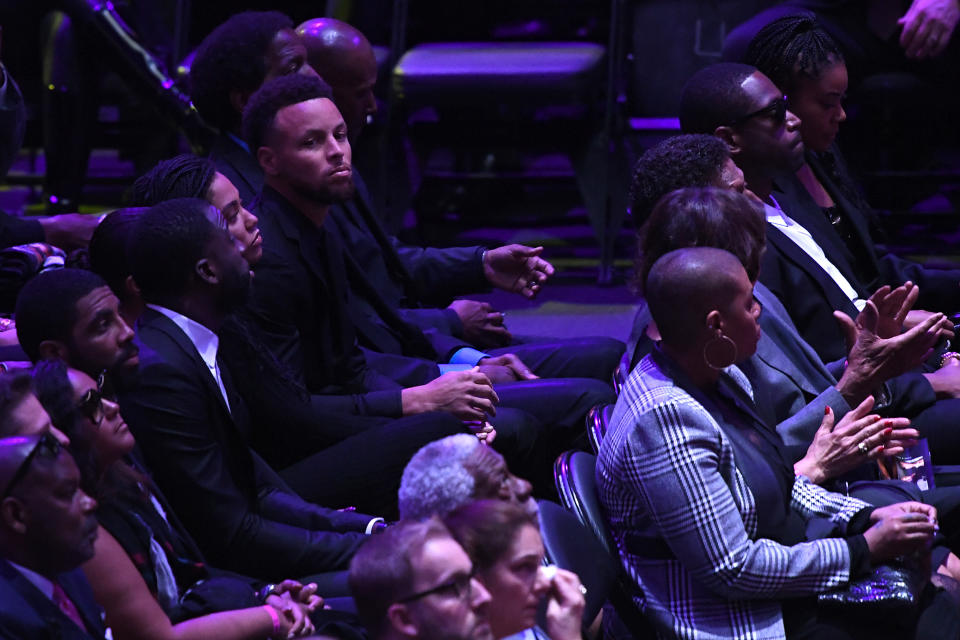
(47, 443)
(776, 110)
(460, 587)
(91, 406)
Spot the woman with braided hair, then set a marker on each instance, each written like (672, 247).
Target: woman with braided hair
(801, 58)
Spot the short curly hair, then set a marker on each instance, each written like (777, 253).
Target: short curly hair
(262, 108)
(232, 57)
(692, 160)
(435, 481)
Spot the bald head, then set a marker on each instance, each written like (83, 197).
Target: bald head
(685, 285)
(343, 57)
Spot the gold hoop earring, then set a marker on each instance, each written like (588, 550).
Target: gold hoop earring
(723, 342)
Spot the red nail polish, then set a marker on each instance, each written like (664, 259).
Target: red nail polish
(887, 431)
(826, 410)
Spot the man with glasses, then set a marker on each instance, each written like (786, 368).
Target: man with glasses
(415, 581)
(47, 530)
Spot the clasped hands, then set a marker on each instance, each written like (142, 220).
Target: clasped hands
(294, 602)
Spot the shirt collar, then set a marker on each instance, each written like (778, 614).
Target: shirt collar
(776, 216)
(45, 585)
(205, 341)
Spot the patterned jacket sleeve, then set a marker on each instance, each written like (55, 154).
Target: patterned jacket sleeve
(812, 500)
(682, 470)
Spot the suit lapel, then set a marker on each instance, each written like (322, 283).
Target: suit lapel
(165, 325)
(797, 203)
(796, 255)
(55, 622)
(777, 360)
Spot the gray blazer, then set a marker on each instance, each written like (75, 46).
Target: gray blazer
(685, 521)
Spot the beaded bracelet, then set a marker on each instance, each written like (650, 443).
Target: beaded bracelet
(949, 355)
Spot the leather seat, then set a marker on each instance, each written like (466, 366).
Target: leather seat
(574, 474)
(597, 420)
(435, 72)
(571, 546)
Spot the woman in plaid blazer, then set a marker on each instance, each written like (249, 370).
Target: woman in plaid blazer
(708, 516)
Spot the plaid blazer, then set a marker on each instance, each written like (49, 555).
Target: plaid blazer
(685, 521)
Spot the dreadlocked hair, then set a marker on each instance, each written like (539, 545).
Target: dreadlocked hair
(792, 46)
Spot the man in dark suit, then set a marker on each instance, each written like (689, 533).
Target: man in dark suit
(301, 285)
(807, 270)
(47, 530)
(193, 428)
(401, 276)
(416, 281)
(799, 383)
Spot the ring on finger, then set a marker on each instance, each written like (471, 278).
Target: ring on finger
(863, 448)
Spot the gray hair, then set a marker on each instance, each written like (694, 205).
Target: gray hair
(435, 481)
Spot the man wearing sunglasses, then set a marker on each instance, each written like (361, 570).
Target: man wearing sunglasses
(415, 581)
(47, 530)
(742, 107)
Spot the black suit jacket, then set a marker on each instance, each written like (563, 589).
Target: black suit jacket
(27, 614)
(299, 299)
(405, 275)
(809, 294)
(241, 514)
(238, 165)
(401, 275)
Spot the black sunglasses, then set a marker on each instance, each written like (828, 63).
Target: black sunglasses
(461, 587)
(91, 406)
(777, 110)
(47, 443)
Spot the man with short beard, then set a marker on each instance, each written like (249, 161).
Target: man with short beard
(72, 314)
(308, 284)
(193, 428)
(418, 282)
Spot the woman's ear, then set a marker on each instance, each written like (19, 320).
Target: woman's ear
(714, 321)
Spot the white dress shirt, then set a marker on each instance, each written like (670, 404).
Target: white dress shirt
(205, 341)
(802, 238)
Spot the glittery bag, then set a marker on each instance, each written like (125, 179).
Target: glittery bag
(887, 588)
